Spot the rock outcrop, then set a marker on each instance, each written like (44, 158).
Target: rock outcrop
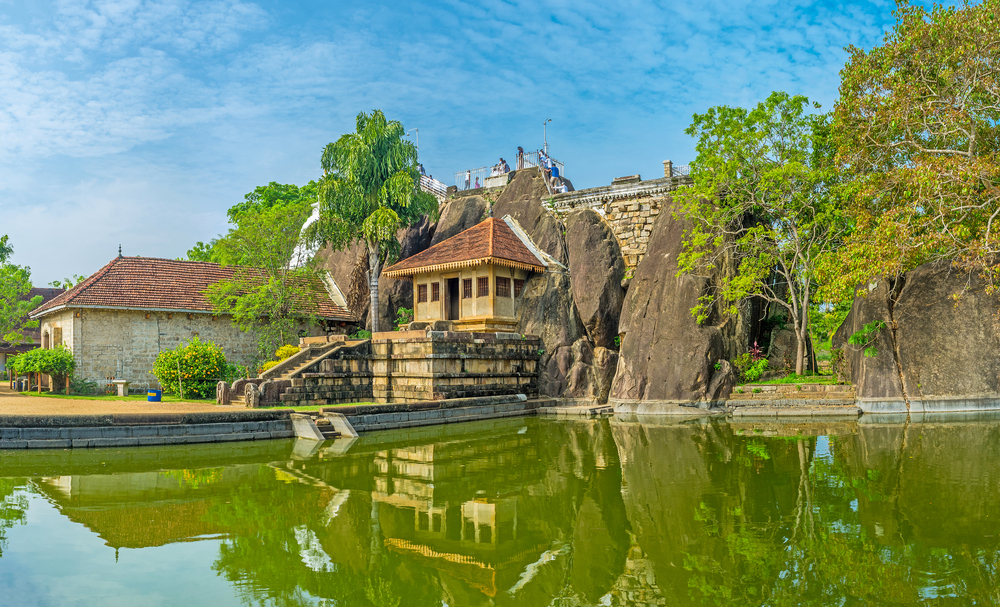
(459, 215)
(935, 352)
(395, 294)
(578, 307)
(665, 354)
(596, 268)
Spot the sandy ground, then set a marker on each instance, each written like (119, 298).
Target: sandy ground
(14, 403)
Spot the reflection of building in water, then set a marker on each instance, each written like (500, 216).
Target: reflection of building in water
(430, 507)
(140, 509)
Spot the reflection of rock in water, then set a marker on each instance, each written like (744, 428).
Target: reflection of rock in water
(929, 481)
(665, 476)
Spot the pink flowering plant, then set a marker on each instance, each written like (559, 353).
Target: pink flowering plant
(751, 364)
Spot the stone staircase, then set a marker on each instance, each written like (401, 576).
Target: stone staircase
(798, 400)
(324, 425)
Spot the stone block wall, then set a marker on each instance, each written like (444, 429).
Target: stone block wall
(444, 365)
(124, 343)
(630, 206)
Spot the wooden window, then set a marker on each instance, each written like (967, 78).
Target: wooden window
(466, 288)
(482, 286)
(421, 293)
(503, 287)
(435, 291)
(518, 287)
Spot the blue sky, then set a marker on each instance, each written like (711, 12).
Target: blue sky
(140, 122)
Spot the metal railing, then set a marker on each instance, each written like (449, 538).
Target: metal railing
(681, 171)
(467, 180)
(433, 186)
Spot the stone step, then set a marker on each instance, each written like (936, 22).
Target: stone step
(851, 411)
(766, 396)
(791, 402)
(795, 387)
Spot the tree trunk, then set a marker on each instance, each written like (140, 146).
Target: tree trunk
(374, 269)
(800, 351)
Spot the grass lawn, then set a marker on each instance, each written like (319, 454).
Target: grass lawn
(799, 379)
(133, 397)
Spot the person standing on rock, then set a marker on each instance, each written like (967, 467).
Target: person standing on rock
(520, 158)
(468, 179)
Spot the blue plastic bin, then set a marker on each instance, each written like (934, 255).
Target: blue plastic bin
(154, 396)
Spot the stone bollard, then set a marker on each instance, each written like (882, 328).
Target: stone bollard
(223, 396)
(252, 398)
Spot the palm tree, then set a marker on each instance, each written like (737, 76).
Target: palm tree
(369, 191)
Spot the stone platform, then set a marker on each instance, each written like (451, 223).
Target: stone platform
(793, 400)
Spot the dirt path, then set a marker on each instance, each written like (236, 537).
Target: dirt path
(14, 403)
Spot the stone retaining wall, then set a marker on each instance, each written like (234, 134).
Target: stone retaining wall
(437, 365)
(630, 206)
(137, 429)
(134, 436)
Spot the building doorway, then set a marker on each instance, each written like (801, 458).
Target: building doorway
(452, 305)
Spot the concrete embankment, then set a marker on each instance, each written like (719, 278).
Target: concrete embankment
(368, 418)
(135, 429)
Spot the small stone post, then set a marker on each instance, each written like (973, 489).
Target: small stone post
(668, 168)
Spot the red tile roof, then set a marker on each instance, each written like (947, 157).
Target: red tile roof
(148, 283)
(492, 241)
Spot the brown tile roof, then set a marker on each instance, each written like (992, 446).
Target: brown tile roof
(492, 241)
(148, 283)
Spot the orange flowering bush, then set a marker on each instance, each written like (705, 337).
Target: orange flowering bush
(200, 364)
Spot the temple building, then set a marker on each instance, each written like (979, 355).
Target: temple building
(473, 278)
(119, 319)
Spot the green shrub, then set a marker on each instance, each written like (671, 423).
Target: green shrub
(202, 365)
(361, 334)
(57, 362)
(750, 370)
(404, 316)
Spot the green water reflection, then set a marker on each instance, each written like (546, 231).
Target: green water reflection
(519, 512)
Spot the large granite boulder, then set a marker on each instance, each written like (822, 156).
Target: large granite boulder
(935, 351)
(395, 293)
(459, 215)
(596, 269)
(522, 200)
(665, 354)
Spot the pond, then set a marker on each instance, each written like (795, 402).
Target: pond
(518, 512)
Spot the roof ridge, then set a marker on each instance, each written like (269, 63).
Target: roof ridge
(493, 231)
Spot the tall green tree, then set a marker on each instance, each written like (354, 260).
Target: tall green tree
(15, 285)
(270, 292)
(762, 196)
(369, 191)
(918, 137)
(261, 199)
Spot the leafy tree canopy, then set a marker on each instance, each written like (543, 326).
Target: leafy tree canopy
(296, 200)
(269, 293)
(918, 140)
(761, 198)
(15, 285)
(369, 191)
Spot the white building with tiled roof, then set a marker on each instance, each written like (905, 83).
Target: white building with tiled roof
(116, 321)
